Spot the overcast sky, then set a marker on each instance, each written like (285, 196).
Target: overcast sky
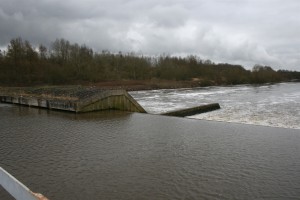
(245, 32)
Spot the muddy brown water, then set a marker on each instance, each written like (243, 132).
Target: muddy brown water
(117, 155)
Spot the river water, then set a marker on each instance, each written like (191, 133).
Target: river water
(276, 105)
(118, 155)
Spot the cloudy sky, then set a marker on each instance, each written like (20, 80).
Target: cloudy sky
(244, 32)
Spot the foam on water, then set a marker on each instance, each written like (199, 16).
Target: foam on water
(118, 155)
(275, 105)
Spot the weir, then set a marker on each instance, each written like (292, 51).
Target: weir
(77, 100)
(193, 111)
(84, 99)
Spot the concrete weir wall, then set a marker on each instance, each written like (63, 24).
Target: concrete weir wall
(41, 103)
(110, 99)
(83, 99)
(100, 100)
(194, 110)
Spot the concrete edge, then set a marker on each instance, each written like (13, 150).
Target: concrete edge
(193, 111)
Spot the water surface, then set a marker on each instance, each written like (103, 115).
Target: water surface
(276, 105)
(115, 155)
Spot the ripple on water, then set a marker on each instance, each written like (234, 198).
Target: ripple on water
(113, 155)
(270, 105)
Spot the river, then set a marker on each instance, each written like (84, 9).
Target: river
(276, 105)
(119, 155)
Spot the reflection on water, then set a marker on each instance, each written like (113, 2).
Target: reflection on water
(114, 155)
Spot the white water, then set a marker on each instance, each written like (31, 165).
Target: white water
(275, 105)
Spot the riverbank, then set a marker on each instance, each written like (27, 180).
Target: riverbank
(128, 85)
(65, 92)
(135, 85)
(131, 85)
(139, 85)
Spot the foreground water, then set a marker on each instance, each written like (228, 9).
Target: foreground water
(113, 155)
(275, 105)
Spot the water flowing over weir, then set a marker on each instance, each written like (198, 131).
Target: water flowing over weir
(80, 100)
(276, 105)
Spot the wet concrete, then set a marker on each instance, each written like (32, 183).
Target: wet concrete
(82, 100)
(194, 110)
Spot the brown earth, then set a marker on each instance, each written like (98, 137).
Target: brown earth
(74, 92)
(135, 85)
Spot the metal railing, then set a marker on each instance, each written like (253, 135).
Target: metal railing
(17, 189)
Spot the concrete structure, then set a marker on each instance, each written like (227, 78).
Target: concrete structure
(84, 101)
(80, 99)
(193, 111)
(110, 99)
(16, 189)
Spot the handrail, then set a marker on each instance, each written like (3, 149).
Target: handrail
(17, 189)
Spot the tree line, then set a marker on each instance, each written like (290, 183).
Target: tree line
(66, 63)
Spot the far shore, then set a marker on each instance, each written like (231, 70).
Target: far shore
(128, 85)
(139, 85)
(136, 85)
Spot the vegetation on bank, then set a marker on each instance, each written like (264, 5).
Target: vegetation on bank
(66, 63)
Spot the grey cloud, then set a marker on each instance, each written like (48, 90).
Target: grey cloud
(236, 31)
(168, 16)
